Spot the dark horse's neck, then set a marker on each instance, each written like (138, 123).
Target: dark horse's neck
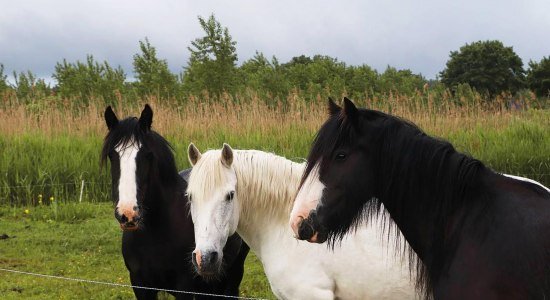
(423, 182)
(159, 201)
(165, 189)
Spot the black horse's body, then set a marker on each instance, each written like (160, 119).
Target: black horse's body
(496, 245)
(157, 247)
(477, 234)
(158, 255)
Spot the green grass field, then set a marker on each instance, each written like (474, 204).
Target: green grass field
(80, 240)
(45, 155)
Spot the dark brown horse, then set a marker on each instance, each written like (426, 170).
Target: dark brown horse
(477, 234)
(158, 235)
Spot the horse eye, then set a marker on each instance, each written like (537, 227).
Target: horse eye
(187, 196)
(340, 156)
(229, 196)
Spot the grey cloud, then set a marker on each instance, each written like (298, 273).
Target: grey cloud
(34, 35)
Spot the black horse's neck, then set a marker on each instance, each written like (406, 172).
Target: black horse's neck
(422, 182)
(165, 187)
(164, 192)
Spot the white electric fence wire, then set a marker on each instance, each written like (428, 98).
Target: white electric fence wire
(124, 285)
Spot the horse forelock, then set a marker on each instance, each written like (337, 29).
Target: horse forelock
(207, 175)
(128, 133)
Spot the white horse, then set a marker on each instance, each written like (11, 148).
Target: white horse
(251, 192)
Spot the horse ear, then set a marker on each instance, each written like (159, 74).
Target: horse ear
(110, 118)
(146, 118)
(350, 110)
(193, 154)
(227, 155)
(333, 108)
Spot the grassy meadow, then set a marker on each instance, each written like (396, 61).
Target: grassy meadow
(79, 240)
(46, 151)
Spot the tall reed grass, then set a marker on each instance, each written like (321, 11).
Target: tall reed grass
(49, 146)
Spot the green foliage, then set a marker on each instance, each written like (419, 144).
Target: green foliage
(212, 64)
(361, 80)
(538, 77)
(402, 81)
(317, 74)
(85, 80)
(487, 66)
(260, 74)
(29, 87)
(3, 80)
(35, 165)
(324, 76)
(153, 76)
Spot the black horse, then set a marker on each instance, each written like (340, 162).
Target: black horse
(477, 234)
(158, 235)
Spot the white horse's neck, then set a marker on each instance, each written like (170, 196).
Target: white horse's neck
(266, 187)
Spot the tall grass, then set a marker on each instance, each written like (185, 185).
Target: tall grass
(49, 147)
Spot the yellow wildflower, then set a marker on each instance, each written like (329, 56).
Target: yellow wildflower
(27, 211)
(51, 199)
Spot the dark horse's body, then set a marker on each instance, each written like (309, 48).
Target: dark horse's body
(478, 234)
(156, 250)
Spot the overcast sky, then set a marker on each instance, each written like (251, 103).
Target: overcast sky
(416, 35)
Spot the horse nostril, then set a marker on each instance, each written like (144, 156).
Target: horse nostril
(213, 257)
(305, 230)
(194, 258)
(123, 219)
(136, 208)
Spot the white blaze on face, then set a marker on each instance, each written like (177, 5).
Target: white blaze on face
(307, 199)
(127, 186)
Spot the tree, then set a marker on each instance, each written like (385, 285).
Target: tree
(212, 64)
(28, 86)
(153, 75)
(262, 75)
(538, 77)
(402, 81)
(89, 79)
(361, 80)
(487, 66)
(3, 80)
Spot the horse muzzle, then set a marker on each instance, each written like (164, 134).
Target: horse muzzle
(310, 230)
(128, 220)
(206, 264)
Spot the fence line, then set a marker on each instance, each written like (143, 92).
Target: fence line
(107, 183)
(89, 281)
(52, 184)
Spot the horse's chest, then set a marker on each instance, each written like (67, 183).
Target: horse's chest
(154, 256)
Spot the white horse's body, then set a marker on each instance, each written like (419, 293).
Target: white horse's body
(364, 267)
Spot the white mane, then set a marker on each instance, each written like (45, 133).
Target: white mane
(266, 183)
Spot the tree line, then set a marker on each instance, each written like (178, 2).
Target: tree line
(485, 67)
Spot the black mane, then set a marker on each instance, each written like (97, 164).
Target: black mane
(411, 167)
(129, 131)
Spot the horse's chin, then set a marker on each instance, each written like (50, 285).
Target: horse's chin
(129, 228)
(318, 238)
(207, 275)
